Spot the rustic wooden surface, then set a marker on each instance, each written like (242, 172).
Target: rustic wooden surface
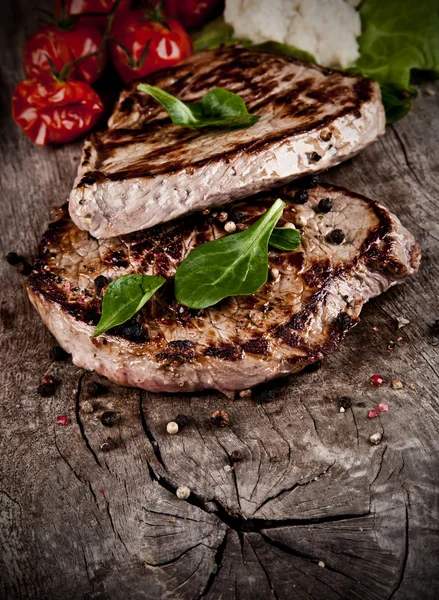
(76, 522)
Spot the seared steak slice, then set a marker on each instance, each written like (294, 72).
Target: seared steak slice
(299, 316)
(144, 170)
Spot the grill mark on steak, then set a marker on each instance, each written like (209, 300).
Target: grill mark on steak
(289, 323)
(143, 156)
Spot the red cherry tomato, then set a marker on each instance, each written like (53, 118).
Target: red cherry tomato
(54, 112)
(191, 13)
(92, 12)
(141, 44)
(65, 49)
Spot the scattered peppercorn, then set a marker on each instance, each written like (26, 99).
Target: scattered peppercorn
(325, 205)
(336, 236)
(236, 456)
(100, 282)
(434, 329)
(109, 418)
(267, 395)
(230, 227)
(62, 420)
(172, 428)
(57, 354)
(24, 268)
(343, 321)
(183, 492)
(301, 221)
(134, 332)
(344, 402)
(314, 156)
(45, 390)
(315, 366)
(181, 420)
(47, 386)
(301, 196)
(309, 182)
(12, 258)
(376, 380)
(220, 418)
(95, 389)
(376, 438)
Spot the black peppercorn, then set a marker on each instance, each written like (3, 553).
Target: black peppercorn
(220, 418)
(344, 402)
(100, 282)
(267, 396)
(95, 389)
(47, 386)
(134, 332)
(25, 268)
(57, 354)
(315, 366)
(309, 182)
(109, 418)
(344, 321)
(314, 156)
(236, 456)
(13, 258)
(300, 197)
(336, 236)
(434, 329)
(325, 205)
(181, 420)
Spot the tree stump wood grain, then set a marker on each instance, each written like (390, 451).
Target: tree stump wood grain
(312, 511)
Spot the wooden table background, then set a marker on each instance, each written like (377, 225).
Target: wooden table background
(76, 522)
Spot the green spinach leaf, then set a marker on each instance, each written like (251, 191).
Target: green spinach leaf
(398, 37)
(218, 108)
(234, 265)
(284, 238)
(124, 297)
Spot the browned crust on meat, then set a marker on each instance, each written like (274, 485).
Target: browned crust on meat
(267, 322)
(231, 65)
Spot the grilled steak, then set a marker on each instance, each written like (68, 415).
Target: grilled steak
(299, 316)
(144, 170)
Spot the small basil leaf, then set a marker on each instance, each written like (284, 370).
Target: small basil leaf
(124, 297)
(218, 108)
(234, 265)
(179, 112)
(284, 238)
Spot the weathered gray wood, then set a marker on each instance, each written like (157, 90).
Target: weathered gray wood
(78, 522)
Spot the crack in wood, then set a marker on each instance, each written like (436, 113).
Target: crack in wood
(298, 554)
(79, 420)
(154, 444)
(405, 557)
(273, 591)
(219, 556)
(116, 533)
(294, 486)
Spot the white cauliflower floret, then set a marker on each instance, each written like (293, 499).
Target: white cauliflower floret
(327, 29)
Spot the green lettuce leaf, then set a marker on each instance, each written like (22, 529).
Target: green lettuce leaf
(398, 37)
(218, 32)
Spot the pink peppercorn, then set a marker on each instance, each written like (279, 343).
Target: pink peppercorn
(376, 380)
(62, 420)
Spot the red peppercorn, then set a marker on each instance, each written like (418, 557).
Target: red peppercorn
(62, 420)
(376, 380)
